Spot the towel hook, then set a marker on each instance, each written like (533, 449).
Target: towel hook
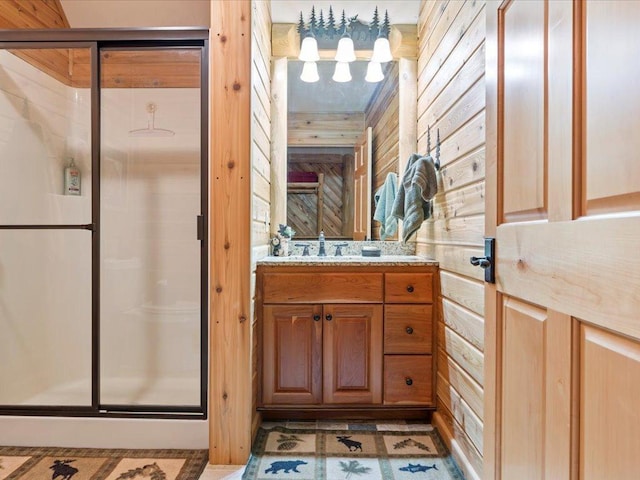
(436, 160)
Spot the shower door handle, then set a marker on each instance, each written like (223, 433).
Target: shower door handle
(200, 227)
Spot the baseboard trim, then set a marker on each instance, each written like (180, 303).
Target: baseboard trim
(457, 453)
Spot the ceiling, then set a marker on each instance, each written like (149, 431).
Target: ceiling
(187, 13)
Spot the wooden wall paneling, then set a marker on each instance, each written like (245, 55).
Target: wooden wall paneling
(613, 185)
(461, 381)
(278, 143)
(465, 140)
(525, 152)
(463, 414)
(465, 323)
(439, 24)
(453, 258)
(324, 129)
(464, 171)
(460, 203)
(457, 36)
(466, 292)
(230, 332)
(609, 421)
(467, 456)
(456, 75)
(461, 351)
(457, 231)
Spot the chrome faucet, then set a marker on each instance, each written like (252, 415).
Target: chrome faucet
(321, 252)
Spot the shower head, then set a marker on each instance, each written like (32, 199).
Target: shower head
(151, 130)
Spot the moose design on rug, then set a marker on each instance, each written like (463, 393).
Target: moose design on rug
(62, 469)
(288, 466)
(351, 444)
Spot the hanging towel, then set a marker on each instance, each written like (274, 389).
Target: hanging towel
(413, 201)
(384, 198)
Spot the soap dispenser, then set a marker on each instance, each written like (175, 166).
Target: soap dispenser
(72, 179)
(321, 250)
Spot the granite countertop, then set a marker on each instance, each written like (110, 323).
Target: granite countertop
(390, 260)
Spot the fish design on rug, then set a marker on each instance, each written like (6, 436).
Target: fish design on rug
(351, 444)
(62, 469)
(410, 442)
(417, 468)
(287, 466)
(151, 471)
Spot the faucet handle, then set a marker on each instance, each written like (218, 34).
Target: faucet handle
(339, 248)
(305, 250)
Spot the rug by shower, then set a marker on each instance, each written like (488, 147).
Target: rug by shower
(303, 454)
(44, 463)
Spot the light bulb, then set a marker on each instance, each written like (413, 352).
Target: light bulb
(345, 52)
(309, 50)
(342, 72)
(310, 72)
(381, 51)
(374, 72)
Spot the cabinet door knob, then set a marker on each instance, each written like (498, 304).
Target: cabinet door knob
(408, 381)
(409, 330)
(329, 317)
(410, 288)
(316, 318)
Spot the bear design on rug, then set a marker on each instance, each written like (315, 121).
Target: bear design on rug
(287, 466)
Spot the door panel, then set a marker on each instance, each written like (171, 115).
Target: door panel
(524, 105)
(523, 389)
(609, 417)
(362, 186)
(611, 137)
(292, 343)
(552, 382)
(352, 354)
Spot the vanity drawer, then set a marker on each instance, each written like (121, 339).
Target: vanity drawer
(322, 288)
(408, 287)
(408, 329)
(408, 379)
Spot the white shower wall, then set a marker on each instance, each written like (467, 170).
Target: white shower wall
(150, 257)
(45, 309)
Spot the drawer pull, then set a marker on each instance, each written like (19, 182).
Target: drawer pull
(409, 330)
(329, 318)
(410, 288)
(316, 318)
(408, 381)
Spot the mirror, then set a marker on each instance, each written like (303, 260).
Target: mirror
(331, 126)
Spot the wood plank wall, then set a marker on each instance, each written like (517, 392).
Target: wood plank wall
(261, 165)
(230, 386)
(382, 115)
(324, 129)
(451, 97)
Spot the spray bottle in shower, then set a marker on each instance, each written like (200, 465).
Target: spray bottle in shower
(72, 179)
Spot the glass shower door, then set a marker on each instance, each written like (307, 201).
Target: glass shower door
(45, 228)
(150, 248)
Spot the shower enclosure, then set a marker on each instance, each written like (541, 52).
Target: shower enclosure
(103, 273)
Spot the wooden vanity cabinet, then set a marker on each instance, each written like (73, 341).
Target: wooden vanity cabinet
(337, 336)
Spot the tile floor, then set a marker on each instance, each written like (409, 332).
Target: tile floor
(234, 472)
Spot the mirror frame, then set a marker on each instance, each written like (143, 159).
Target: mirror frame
(285, 43)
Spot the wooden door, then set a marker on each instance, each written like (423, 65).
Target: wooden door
(292, 354)
(562, 358)
(352, 354)
(362, 186)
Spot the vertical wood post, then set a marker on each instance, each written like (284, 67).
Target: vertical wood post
(230, 111)
(278, 143)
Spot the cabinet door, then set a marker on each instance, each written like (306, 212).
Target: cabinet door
(352, 354)
(292, 353)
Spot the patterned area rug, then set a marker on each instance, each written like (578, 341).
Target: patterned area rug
(100, 464)
(365, 453)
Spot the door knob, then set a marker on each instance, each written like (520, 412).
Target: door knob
(329, 317)
(482, 262)
(409, 330)
(410, 288)
(316, 318)
(487, 262)
(408, 381)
